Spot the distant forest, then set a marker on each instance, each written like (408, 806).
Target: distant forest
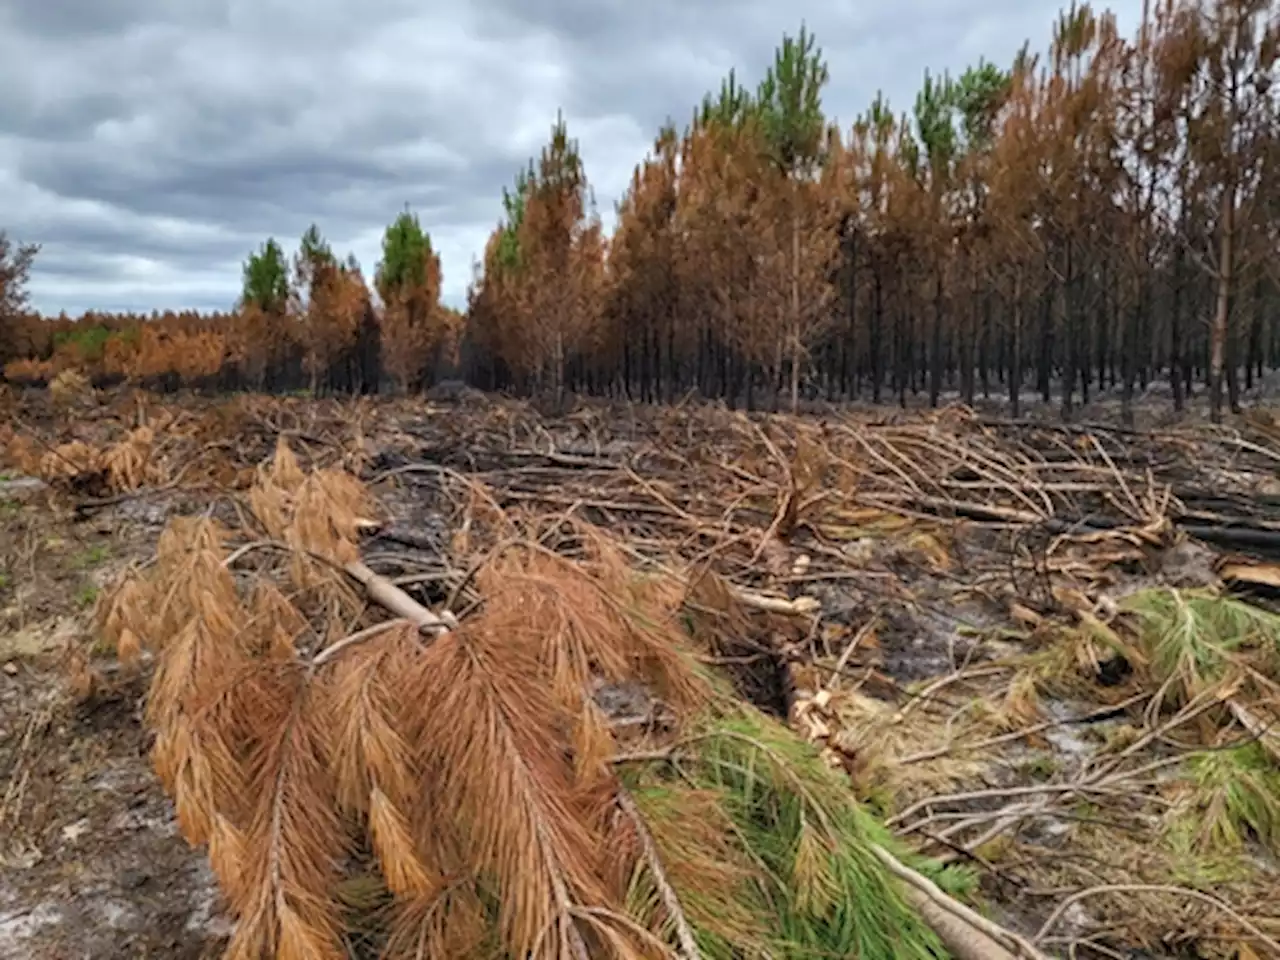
(1095, 218)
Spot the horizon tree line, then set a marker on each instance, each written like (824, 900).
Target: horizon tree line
(1101, 216)
(309, 320)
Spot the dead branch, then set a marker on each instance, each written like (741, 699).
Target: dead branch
(1213, 901)
(966, 933)
(387, 595)
(799, 607)
(368, 633)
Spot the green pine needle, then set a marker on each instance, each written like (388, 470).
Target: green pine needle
(802, 849)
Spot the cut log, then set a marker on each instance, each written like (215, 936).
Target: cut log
(799, 607)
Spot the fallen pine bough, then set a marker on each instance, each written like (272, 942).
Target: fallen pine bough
(475, 772)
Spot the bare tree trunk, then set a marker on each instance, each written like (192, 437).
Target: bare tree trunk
(1177, 350)
(1015, 361)
(1070, 333)
(1218, 325)
(968, 339)
(796, 339)
(935, 341)
(796, 346)
(559, 369)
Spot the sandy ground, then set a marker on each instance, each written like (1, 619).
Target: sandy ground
(91, 864)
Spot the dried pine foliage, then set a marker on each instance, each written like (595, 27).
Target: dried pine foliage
(478, 778)
(69, 387)
(124, 465)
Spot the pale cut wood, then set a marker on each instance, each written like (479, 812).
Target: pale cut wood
(390, 597)
(963, 931)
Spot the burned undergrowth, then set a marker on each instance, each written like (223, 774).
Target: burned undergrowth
(468, 758)
(998, 638)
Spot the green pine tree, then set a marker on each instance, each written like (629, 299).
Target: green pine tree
(980, 94)
(406, 250)
(266, 279)
(789, 106)
(935, 122)
(15, 269)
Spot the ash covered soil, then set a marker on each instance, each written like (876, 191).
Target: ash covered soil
(91, 861)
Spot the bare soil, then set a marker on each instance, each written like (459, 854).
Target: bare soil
(91, 863)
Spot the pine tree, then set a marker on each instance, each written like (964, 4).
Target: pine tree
(266, 280)
(935, 126)
(15, 271)
(408, 281)
(332, 303)
(262, 339)
(789, 102)
(1239, 41)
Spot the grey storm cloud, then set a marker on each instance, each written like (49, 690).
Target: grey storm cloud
(149, 145)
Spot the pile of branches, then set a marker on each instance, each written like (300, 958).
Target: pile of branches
(722, 487)
(124, 443)
(557, 775)
(738, 542)
(738, 493)
(1057, 539)
(1154, 827)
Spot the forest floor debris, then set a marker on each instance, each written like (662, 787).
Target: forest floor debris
(1042, 653)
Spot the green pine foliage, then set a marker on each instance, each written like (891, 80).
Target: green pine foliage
(406, 250)
(768, 852)
(1236, 797)
(1194, 636)
(266, 279)
(789, 102)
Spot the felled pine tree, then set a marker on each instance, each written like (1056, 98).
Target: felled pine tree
(478, 780)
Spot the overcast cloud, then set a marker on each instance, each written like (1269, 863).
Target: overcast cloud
(148, 145)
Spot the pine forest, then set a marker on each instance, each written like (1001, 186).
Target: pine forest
(1097, 217)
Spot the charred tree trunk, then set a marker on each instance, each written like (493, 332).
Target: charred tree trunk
(935, 343)
(1253, 358)
(1222, 303)
(1044, 372)
(1015, 349)
(1069, 332)
(876, 347)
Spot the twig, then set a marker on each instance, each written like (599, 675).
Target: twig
(1258, 730)
(1154, 888)
(863, 632)
(368, 633)
(1100, 714)
(971, 673)
(684, 932)
(994, 793)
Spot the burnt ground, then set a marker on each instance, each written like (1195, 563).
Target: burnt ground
(91, 863)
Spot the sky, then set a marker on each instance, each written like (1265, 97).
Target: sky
(149, 145)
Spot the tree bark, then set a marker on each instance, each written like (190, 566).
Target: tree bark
(1218, 325)
(795, 303)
